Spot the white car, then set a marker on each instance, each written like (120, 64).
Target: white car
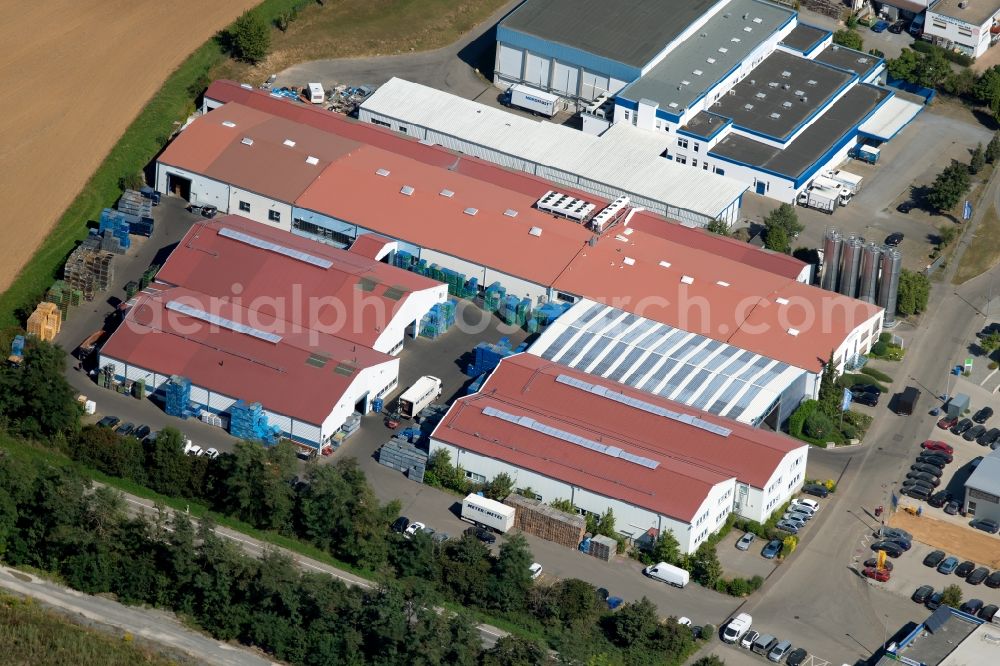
(212, 453)
(811, 504)
(412, 529)
(193, 450)
(535, 569)
(748, 639)
(684, 621)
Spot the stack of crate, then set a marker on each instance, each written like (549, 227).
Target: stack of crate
(178, 395)
(148, 276)
(89, 270)
(403, 456)
(107, 377)
(438, 320)
(603, 548)
(486, 357)
(535, 517)
(62, 296)
(495, 295)
(249, 421)
(115, 228)
(45, 321)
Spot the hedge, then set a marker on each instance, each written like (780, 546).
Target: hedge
(849, 380)
(877, 374)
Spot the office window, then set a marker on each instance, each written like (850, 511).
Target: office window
(682, 142)
(705, 166)
(274, 216)
(680, 159)
(245, 206)
(696, 146)
(694, 163)
(402, 128)
(376, 121)
(719, 171)
(628, 114)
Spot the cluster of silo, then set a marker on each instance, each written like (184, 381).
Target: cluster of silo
(867, 271)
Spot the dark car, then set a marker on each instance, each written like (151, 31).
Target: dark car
(141, 432)
(986, 525)
(893, 534)
(952, 507)
(947, 422)
(483, 535)
(960, 427)
(893, 240)
(993, 580)
(974, 432)
(872, 563)
(891, 548)
(109, 422)
(933, 602)
(125, 429)
(940, 463)
(796, 657)
(865, 388)
(771, 550)
(989, 437)
(943, 456)
(930, 479)
(983, 415)
(939, 499)
(867, 399)
(816, 489)
(988, 611)
(972, 606)
(917, 484)
(965, 568)
(905, 207)
(400, 524)
(978, 575)
(921, 593)
(924, 467)
(934, 558)
(897, 27)
(917, 492)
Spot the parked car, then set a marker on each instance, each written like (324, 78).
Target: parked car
(993, 580)
(948, 565)
(960, 427)
(972, 606)
(109, 422)
(930, 479)
(934, 445)
(745, 541)
(212, 453)
(934, 558)
(771, 550)
(905, 207)
(938, 455)
(796, 657)
(891, 548)
(535, 569)
(965, 568)
(865, 388)
(924, 467)
(947, 422)
(880, 575)
(983, 415)
(880, 26)
(817, 489)
(911, 484)
(932, 459)
(921, 594)
(800, 516)
(867, 399)
(939, 499)
(748, 639)
(400, 524)
(893, 239)
(989, 438)
(790, 526)
(988, 611)
(872, 563)
(978, 575)
(810, 504)
(141, 432)
(483, 535)
(897, 27)
(413, 528)
(952, 508)
(917, 492)
(125, 429)
(904, 544)
(974, 433)
(779, 651)
(933, 602)
(986, 525)
(893, 534)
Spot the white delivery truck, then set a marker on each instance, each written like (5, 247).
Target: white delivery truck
(820, 199)
(737, 628)
(316, 94)
(846, 179)
(827, 183)
(668, 573)
(532, 99)
(487, 513)
(424, 391)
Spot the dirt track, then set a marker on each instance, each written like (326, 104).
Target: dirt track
(75, 74)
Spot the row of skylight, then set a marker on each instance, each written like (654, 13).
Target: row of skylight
(248, 141)
(274, 247)
(532, 424)
(605, 392)
(195, 313)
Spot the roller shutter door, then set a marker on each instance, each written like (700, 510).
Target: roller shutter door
(536, 71)
(592, 85)
(509, 62)
(564, 78)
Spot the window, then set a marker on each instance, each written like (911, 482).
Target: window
(694, 163)
(402, 128)
(322, 232)
(681, 159)
(628, 114)
(696, 146)
(704, 166)
(682, 142)
(274, 216)
(719, 171)
(245, 206)
(478, 478)
(376, 121)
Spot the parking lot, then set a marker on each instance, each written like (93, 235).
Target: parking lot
(744, 563)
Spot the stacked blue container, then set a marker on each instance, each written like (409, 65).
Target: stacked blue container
(486, 357)
(249, 421)
(178, 392)
(114, 223)
(17, 346)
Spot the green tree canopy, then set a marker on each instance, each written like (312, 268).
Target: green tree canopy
(511, 574)
(514, 651)
(990, 342)
(849, 38)
(914, 292)
(35, 398)
(250, 37)
(718, 227)
(818, 425)
(978, 160)
(776, 239)
(499, 487)
(665, 547)
(951, 596)
(785, 216)
(830, 392)
(993, 148)
(705, 565)
(949, 187)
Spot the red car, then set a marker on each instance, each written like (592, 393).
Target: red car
(947, 422)
(931, 445)
(880, 575)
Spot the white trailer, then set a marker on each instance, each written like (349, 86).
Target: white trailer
(668, 573)
(532, 99)
(827, 183)
(820, 199)
(316, 94)
(487, 513)
(846, 179)
(424, 391)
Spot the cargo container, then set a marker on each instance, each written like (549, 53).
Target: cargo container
(424, 391)
(820, 199)
(531, 99)
(487, 513)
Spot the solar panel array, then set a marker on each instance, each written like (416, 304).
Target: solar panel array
(274, 247)
(532, 424)
(185, 309)
(605, 392)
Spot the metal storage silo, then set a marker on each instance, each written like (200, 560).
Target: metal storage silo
(889, 284)
(851, 265)
(868, 281)
(832, 244)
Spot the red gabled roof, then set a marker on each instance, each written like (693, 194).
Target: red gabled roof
(369, 245)
(691, 460)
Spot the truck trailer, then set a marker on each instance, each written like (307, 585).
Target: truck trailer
(531, 99)
(820, 199)
(424, 391)
(827, 183)
(484, 512)
(846, 179)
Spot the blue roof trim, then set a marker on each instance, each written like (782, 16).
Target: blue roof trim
(627, 103)
(568, 54)
(667, 115)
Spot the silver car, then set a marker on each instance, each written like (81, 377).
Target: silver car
(745, 541)
(790, 526)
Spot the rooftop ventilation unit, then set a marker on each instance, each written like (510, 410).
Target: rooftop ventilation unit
(863, 61)
(773, 84)
(687, 279)
(722, 283)
(735, 40)
(382, 172)
(195, 313)
(406, 190)
(748, 107)
(757, 19)
(762, 95)
(614, 211)
(564, 205)
(628, 261)
(785, 86)
(246, 85)
(787, 105)
(781, 301)
(321, 262)
(723, 49)
(535, 231)
(247, 141)
(785, 74)
(228, 123)
(747, 29)
(793, 332)
(289, 143)
(697, 72)
(811, 82)
(799, 93)
(621, 239)
(312, 160)
(685, 82)
(470, 211)
(775, 116)
(710, 61)
(510, 212)
(447, 193)
(673, 105)
(746, 16)
(665, 264)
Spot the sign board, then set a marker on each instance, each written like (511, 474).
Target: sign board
(967, 211)
(968, 364)
(845, 402)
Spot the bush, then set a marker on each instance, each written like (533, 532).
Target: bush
(921, 46)
(831, 485)
(708, 631)
(249, 37)
(877, 374)
(992, 365)
(799, 416)
(818, 426)
(880, 349)
(789, 545)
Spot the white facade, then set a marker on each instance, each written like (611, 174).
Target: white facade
(952, 32)
(204, 190)
(415, 306)
(276, 214)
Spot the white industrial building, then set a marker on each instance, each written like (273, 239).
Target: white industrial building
(657, 465)
(967, 26)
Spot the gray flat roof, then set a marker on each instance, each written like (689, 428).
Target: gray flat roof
(704, 124)
(780, 94)
(803, 37)
(974, 13)
(986, 476)
(626, 31)
(853, 61)
(933, 647)
(722, 43)
(809, 146)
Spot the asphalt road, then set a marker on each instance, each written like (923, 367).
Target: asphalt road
(151, 624)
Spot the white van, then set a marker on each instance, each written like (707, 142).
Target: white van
(668, 573)
(737, 628)
(316, 94)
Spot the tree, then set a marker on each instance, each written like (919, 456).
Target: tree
(109, 452)
(951, 596)
(718, 227)
(250, 37)
(849, 38)
(818, 425)
(904, 66)
(830, 393)
(35, 398)
(705, 565)
(256, 484)
(132, 180)
(499, 487)
(165, 462)
(949, 187)
(576, 601)
(993, 149)
(785, 216)
(932, 68)
(633, 623)
(990, 342)
(665, 548)
(441, 472)
(960, 83)
(946, 234)
(776, 239)
(987, 88)
(465, 570)
(913, 294)
(977, 161)
(511, 574)
(513, 650)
